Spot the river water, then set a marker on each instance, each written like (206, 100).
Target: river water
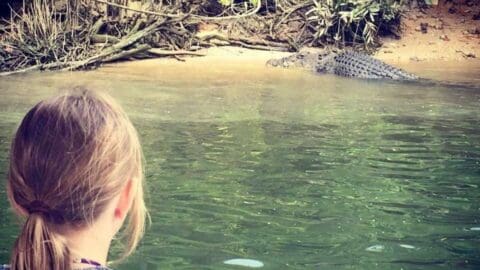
(290, 169)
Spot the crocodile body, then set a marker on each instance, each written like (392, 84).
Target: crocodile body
(347, 64)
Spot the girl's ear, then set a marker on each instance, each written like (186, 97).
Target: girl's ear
(124, 201)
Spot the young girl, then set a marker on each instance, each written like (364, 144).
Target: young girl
(75, 175)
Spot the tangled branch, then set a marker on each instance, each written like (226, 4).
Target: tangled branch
(88, 33)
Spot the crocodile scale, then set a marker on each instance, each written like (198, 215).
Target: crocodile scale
(346, 63)
(359, 65)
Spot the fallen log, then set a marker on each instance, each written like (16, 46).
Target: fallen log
(97, 26)
(220, 39)
(127, 53)
(97, 38)
(255, 47)
(160, 52)
(123, 43)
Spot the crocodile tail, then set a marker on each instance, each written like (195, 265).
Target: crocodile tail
(359, 65)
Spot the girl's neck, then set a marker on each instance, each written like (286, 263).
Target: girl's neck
(89, 243)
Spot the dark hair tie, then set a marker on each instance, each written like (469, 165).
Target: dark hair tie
(41, 208)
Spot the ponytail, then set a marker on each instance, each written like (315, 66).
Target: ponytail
(39, 247)
(70, 156)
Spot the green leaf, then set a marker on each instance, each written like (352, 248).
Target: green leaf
(225, 2)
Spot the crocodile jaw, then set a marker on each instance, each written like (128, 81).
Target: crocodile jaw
(318, 62)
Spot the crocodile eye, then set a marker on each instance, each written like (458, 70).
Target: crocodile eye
(300, 56)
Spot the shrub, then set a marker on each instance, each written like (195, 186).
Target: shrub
(349, 22)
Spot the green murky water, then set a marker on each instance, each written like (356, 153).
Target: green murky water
(294, 170)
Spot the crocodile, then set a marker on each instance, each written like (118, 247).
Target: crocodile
(344, 63)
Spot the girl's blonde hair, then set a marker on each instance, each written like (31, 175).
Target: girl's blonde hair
(71, 155)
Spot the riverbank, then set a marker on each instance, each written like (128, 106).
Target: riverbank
(451, 32)
(245, 64)
(447, 32)
(451, 41)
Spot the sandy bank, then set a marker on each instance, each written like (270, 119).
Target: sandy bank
(441, 42)
(448, 32)
(449, 41)
(242, 63)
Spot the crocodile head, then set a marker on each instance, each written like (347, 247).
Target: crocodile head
(305, 60)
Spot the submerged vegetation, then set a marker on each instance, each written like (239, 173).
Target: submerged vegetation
(73, 34)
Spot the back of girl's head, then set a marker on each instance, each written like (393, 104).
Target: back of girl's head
(71, 155)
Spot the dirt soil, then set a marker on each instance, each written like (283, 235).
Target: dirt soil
(449, 31)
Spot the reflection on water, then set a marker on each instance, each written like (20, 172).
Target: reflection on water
(293, 170)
